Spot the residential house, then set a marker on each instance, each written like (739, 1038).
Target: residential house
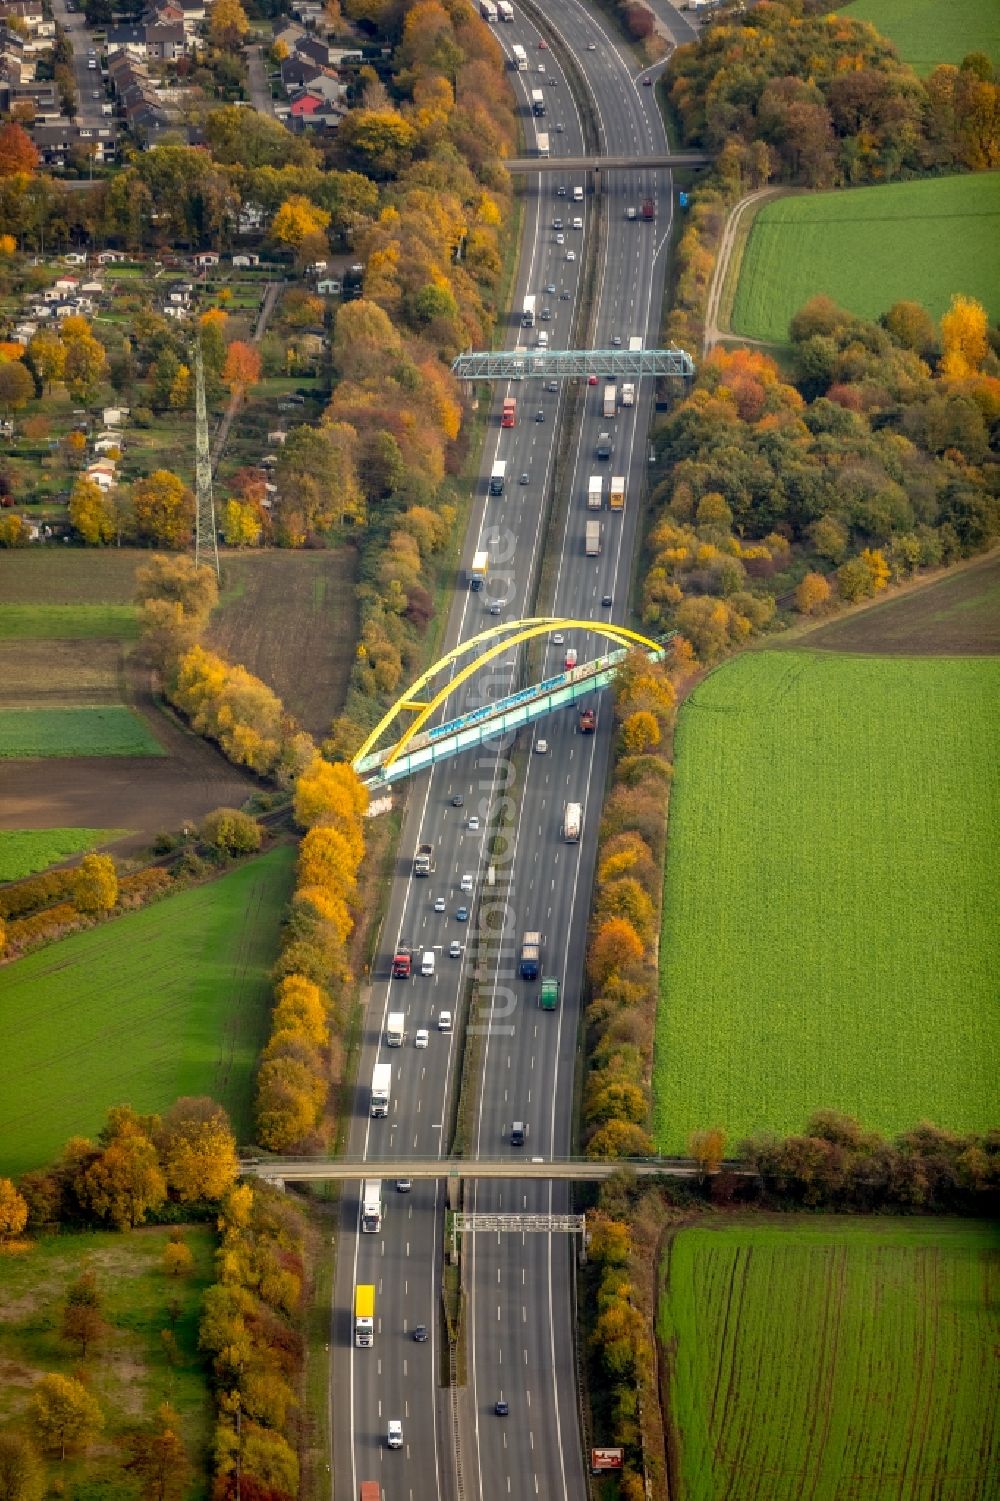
(23, 332)
(305, 103)
(206, 258)
(166, 43)
(195, 12)
(288, 33)
(298, 72)
(63, 286)
(75, 258)
(106, 442)
(55, 141)
(102, 472)
(92, 289)
(177, 311)
(164, 13)
(128, 39)
(277, 437)
(328, 286)
(31, 15)
(114, 416)
(111, 257)
(42, 97)
(246, 260)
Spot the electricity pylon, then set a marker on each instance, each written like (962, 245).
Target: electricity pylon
(206, 542)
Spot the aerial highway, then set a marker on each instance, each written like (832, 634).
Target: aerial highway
(520, 1313)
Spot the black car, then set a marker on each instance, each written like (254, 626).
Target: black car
(539, 415)
(501, 1407)
(420, 1333)
(606, 599)
(457, 800)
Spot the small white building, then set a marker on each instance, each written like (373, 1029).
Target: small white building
(76, 258)
(102, 472)
(206, 258)
(246, 260)
(114, 416)
(63, 286)
(111, 257)
(328, 286)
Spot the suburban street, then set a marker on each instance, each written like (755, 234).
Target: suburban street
(520, 1312)
(88, 80)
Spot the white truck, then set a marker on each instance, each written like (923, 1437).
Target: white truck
(497, 476)
(617, 497)
(537, 102)
(423, 860)
(479, 570)
(628, 394)
(488, 10)
(394, 1030)
(381, 1090)
(505, 10)
(572, 818)
(595, 492)
(635, 344)
(528, 312)
(542, 143)
(610, 400)
(371, 1206)
(592, 542)
(519, 58)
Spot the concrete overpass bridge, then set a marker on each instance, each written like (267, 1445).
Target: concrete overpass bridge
(519, 165)
(283, 1170)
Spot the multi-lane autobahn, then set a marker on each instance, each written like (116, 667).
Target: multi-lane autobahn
(520, 1310)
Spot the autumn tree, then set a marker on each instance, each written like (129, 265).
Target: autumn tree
(155, 1455)
(615, 948)
(964, 337)
(86, 367)
(47, 354)
(16, 386)
(192, 586)
(123, 1182)
(640, 733)
(228, 24)
(178, 1260)
(17, 151)
(82, 1318)
(329, 792)
(91, 512)
(64, 1414)
(231, 830)
(95, 884)
(707, 1148)
(22, 1475)
(197, 1150)
(298, 219)
(912, 327)
(13, 1210)
(812, 594)
(163, 510)
(242, 367)
(241, 523)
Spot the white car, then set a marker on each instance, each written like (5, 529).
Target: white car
(558, 638)
(444, 1021)
(422, 1038)
(630, 213)
(560, 239)
(394, 1436)
(439, 904)
(578, 222)
(541, 67)
(591, 46)
(473, 829)
(571, 255)
(467, 881)
(454, 949)
(541, 747)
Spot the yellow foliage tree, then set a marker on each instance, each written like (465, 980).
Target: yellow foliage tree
(297, 219)
(329, 858)
(13, 1210)
(964, 337)
(95, 884)
(329, 790)
(812, 594)
(163, 509)
(880, 570)
(91, 512)
(198, 1150)
(241, 524)
(615, 947)
(228, 23)
(178, 1260)
(640, 733)
(302, 1007)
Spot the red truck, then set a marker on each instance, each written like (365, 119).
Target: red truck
(648, 210)
(509, 418)
(401, 966)
(587, 723)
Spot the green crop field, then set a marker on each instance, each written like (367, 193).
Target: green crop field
(870, 247)
(67, 622)
(839, 1359)
(172, 1000)
(927, 33)
(829, 928)
(25, 851)
(110, 730)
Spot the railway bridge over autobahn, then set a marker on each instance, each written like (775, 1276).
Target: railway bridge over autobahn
(519, 165)
(573, 1169)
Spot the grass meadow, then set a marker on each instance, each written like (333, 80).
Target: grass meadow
(172, 1000)
(23, 852)
(829, 932)
(130, 1373)
(104, 730)
(927, 33)
(834, 1358)
(868, 248)
(68, 622)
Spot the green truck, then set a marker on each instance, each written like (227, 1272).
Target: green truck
(549, 1000)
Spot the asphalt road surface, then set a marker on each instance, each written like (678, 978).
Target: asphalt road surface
(89, 81)
(520, 1314)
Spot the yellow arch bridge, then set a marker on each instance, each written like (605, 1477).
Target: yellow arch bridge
(418, 748)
